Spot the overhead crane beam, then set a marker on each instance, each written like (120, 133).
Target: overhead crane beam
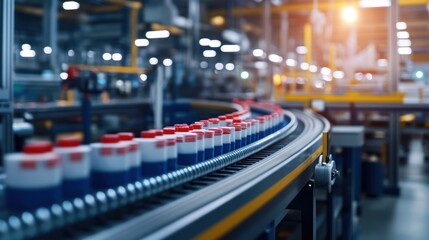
(293, 7)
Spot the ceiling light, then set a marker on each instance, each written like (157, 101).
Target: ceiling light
(107, 56)
(26, 46)
(218, 66)
(401, 25)
(229, 66)
(291, 62)
(204, 64)
(71, 5)
(258, 52)
(143, 77)
(325, 71)
(153, 61)
(209, 53)
(244, 75)
(374, 3)
(405, 50)
(27, 53)
(230, 48)
(275, 58)
(301, 49)
(338, 74)
(47, 50)
(403, 34)
(157, 34)
(116, 57)
(313, 68)
(142, 42)
(64, 75)
(304, 66)
(215, 43)
(404, 43)
(167, 62)
(204, 42)
(349, 14)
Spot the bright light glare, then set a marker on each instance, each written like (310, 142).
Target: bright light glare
(116, 57)
(153, 61)
(318, 84)
(209, 53)
(349, 14)
(301, 50)
(244, 75)
(142, 42)
(258, 52)
(167, 62)
(419, 74)
(382, 63)
(260, 65)
(401, 25)
(204, 64)
(374, 3)
(215, 43)
(157, 34)
(204, 42)
(304, 66)
(230, 48)
(27, 53)
(107, 56)
(404, 43)
(368, 76)
(26, 46)
(218, 66)
(64, 75)
(70, 53)
(229, 66)
(143, 77)
(47, 50)
(325, 71)
(359, 76)
(71, 5)
(403, 34)
(291, 62)
(313, 68)
(275, 58)
(338, 74)
(405, 51)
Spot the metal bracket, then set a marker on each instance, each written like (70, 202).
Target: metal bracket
(325, 171)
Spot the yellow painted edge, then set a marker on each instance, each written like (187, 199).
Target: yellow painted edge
(325, 144)
(230, 222)
(113, 69)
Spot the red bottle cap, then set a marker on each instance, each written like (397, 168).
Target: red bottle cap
(38, 147)
(125, 136)
(68, 141)
(109, 138)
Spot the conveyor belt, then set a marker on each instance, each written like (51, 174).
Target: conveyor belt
(181, 203)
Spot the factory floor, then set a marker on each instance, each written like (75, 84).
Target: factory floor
(405, 216)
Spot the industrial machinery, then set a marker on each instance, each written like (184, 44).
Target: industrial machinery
(240, 194)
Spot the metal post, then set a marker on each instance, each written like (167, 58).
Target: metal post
(86, 117)
(306, 203)
(6, 69)
(393, 135)
(158, 103)
(50, 32)
(268, 50)
(194, 32)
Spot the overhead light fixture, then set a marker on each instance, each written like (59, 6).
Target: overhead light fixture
(325, 71)
(349, 14)
(301, 49)
(403, 34)
(260, 64)
(382, 62)
(312, 68)
(275, 58)
(64, 75)
(157, 34)
(404, 43)
(142, 42)
(204, 42)
(215, 43)
(230, 48)
(405, 50)
(219, 66)
(116, 57)
(153, 61)
(26, 46)
(209, 53)
(71, 5)
(204, 64)
(28, 53)
(70, 53)
(291, 62)
(47, 50)
(143, 77)
(107, 56)
(374, 3)
(167, 62)
(244, 75)
(304, 66)
(338, 74)
(229, 66)
(217, 20)
(258, 52)
(401, 25)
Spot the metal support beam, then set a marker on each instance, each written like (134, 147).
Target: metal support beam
(6, 69)
(50, 33)
(268, 49)
(159, 97)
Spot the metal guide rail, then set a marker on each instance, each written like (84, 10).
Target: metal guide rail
(185, 202)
